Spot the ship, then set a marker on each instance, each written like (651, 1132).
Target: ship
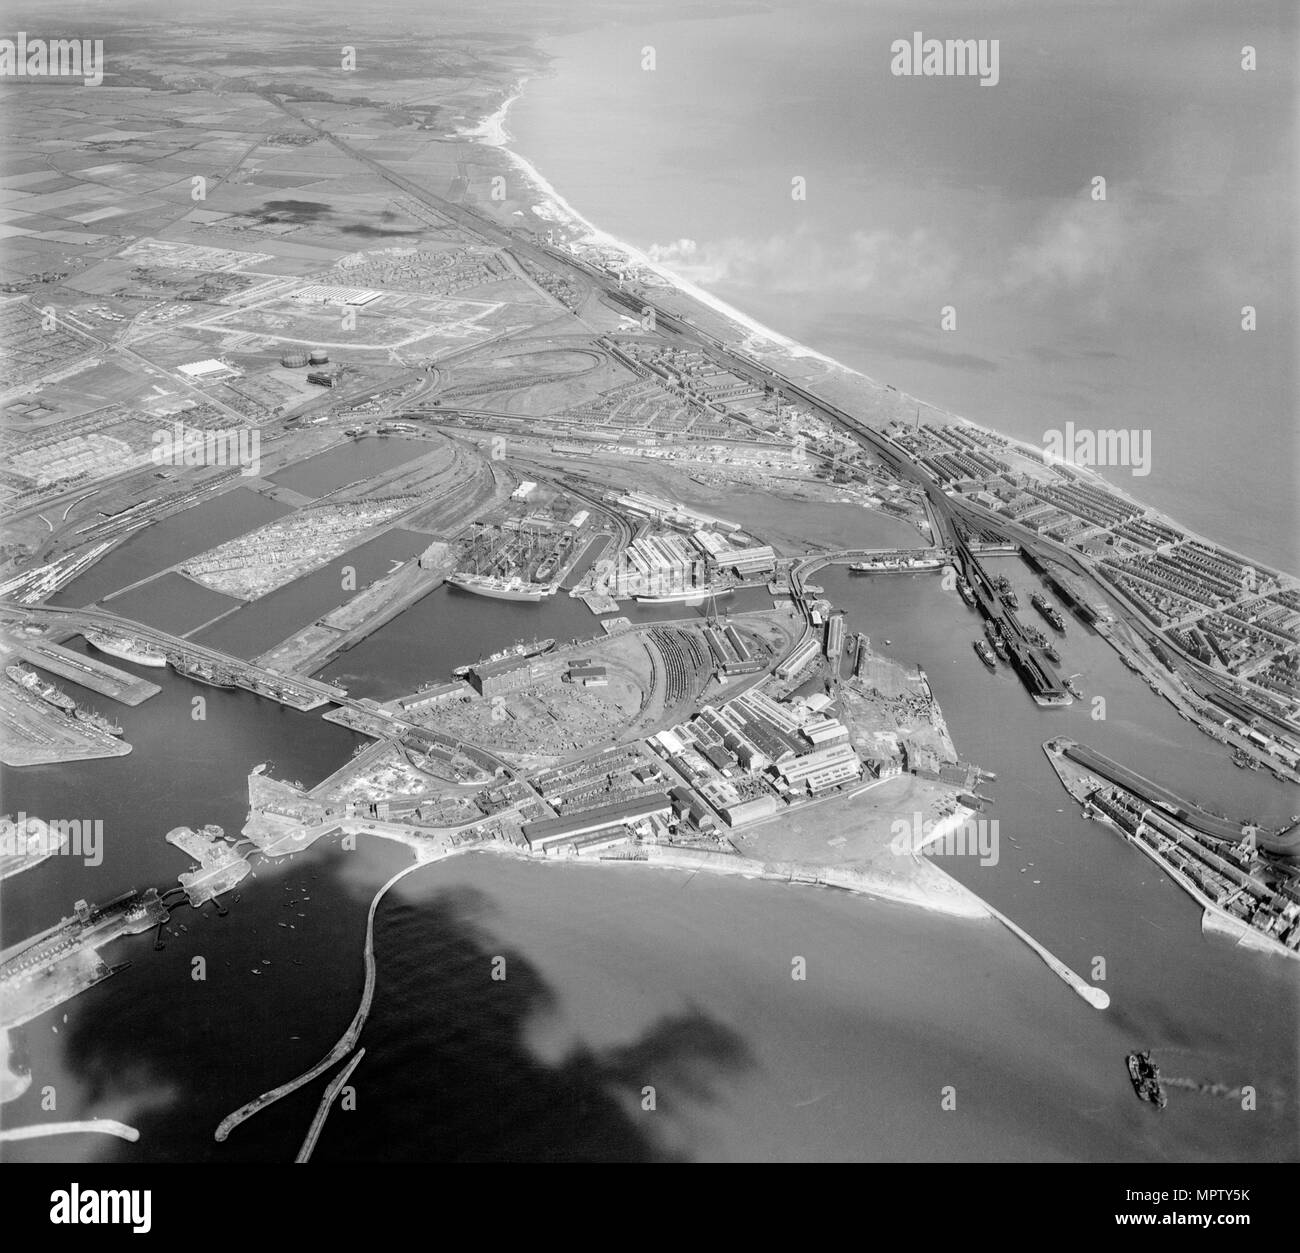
(1039, 640)
(994, 632)
(1073, 688)
(1145, 1075)
(1052, 698)
(687, 596)
(1006, 592)
(966, 592)
(500, 589)
(986, 654)
(1048, 610)
(519, 649)
(897, 564)
(126, 648)
(201, 672)
(96, 720)
(38, 687)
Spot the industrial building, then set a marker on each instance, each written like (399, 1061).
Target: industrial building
(548, 831)
(799, 658)
(834, 636)
(430, 696)
(511, 674)
(588, 675)
(822, 769)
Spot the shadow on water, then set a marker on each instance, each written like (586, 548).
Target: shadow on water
(463, 1083)
(448, 1074)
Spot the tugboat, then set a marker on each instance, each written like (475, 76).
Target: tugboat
(986, 654)
(966, 592)
(1145, 1075)
(1073, 688)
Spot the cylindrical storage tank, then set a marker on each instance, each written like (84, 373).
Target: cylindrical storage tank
(294, 360)
(320, 357)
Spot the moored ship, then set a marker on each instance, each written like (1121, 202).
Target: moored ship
(92, 718)
(520, 650)
(1048, 610)
(1039, 640)
(687, 596)
(994, 632)
(126, 648)
(897, 563)
(500, 589)
(38, 687)
(1006, 592)
(986, 654)
(966, 592)
(201, 672)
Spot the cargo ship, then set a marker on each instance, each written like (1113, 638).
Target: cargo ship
(994, 632)
(1145, 1075)
(126, 648)
(500, 589)
(687, 596)
(986, 654)
(1048, 610)
(1006, 592)
(38, 687)
(966, 592)
(201, 672)
(97, 721)
(896, 563)
(521, 650)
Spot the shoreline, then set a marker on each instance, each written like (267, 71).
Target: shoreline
(551, 205)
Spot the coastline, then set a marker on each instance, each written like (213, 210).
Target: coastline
(551, 205)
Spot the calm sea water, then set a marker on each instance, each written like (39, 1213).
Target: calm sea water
(923, 193)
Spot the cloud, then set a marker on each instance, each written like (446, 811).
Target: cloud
(1082, 244)
(881, 262)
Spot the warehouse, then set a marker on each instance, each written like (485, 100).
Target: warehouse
(624, 813)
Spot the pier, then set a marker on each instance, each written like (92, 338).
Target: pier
(1093, 995)
(326, 1104)
(347, 1041)
(89, 672)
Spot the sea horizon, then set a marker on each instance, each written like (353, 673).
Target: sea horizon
(1274, 545)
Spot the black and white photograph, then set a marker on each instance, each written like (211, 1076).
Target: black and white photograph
(592, 582)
